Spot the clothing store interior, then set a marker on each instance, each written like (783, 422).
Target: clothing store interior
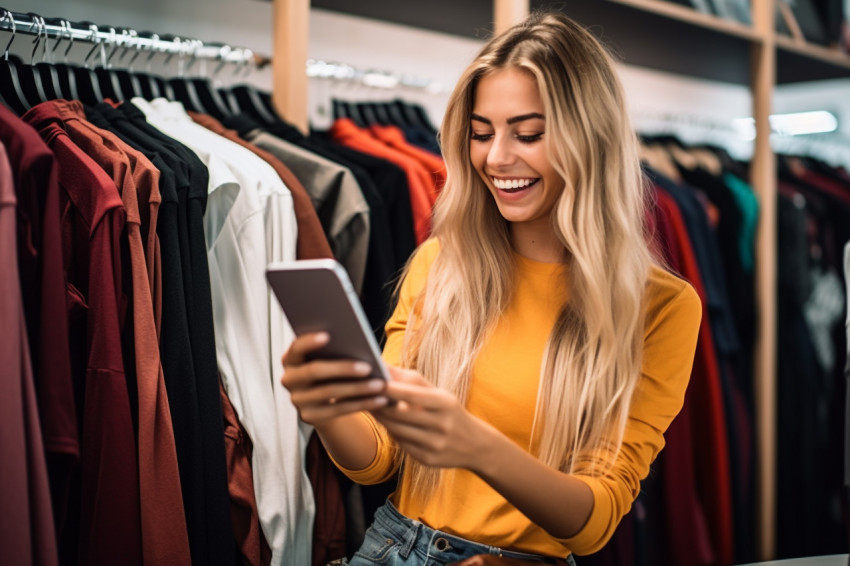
(331, 110)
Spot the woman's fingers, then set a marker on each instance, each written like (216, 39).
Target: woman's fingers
(310, 373)
(425, 397)
(337, 390)
(303, 345)
(333, 407)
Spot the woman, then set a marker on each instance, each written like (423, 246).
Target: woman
(537, 352)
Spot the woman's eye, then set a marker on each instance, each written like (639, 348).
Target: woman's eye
(481, 137)
(530, 139)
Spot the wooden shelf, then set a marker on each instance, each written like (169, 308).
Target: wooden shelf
(669, 37)
(691, 16)
(799, 62)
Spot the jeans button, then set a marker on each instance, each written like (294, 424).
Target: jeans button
(442, 544)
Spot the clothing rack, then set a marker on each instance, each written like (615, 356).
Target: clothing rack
(117, 37)
(693, 128)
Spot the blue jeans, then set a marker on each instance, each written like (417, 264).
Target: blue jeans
(395, 540)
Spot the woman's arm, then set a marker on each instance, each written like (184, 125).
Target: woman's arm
(330, 396)
(433, 427)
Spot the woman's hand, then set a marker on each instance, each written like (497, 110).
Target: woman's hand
(431, 424)
(323, 390)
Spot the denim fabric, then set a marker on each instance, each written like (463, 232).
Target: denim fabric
(395, 540)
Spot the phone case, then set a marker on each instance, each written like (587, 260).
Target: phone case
(317, 295)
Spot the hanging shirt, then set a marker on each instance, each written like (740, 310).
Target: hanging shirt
(164, 535)
(250, 222)
(194, 429)
(345, 132)
(36, 184)
(337, 198)
(312, 242)
(434, 164)
(93, 221)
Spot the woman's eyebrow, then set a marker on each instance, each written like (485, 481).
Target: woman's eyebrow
(512, 120)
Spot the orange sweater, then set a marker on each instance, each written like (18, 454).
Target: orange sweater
(503, 392)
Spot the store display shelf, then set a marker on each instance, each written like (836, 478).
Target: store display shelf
(691, 16)
(797, 61)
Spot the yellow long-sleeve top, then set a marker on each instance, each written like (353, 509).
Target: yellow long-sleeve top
(503, 392)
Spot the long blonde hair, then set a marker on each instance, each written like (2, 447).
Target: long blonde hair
(592, 359)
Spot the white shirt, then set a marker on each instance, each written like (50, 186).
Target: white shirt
(249, 222)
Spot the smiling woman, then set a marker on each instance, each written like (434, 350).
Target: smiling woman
(538, 354)
(508, 151)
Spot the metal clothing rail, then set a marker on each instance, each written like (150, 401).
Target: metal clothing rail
(120, 37)
(372, 77)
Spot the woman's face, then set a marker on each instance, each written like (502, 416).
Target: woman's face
(507, 147)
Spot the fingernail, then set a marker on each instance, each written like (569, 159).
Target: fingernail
(362, 368)
(380, 400)
(322, 337)
(376, 384)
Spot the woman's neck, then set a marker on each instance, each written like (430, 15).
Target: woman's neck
(537, 242)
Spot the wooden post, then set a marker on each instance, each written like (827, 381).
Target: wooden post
(763, 178)
(291, 31)
(507, 13)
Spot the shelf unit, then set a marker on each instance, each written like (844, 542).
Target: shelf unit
(647, 33)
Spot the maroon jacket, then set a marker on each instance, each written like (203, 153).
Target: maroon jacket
(107, 513)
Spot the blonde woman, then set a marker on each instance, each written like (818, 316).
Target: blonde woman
(538, 352)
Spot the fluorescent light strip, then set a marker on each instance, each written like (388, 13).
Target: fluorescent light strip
(794, 124)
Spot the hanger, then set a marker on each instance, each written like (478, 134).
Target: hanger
(45, 68)
(182, 89)
(150, 87)
(67, 81)
(209, 98)
(381, 113)
(10, 83)
(414, 115)
(396, 116)
(249, 100)
(88, 85)
(106, 81)
(127, 80)
(30, 79)
(367, 113)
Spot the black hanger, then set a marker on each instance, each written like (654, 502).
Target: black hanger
(10, 82)
(88, 84)
(381, 113)
(410, 115)
(367, 113)
(396, 116)
(185, 93)
(10, 86)
(49, 75)
(149, 86)
(66, 81)
(353, 114)
(266, 98)
(423, 120)
(30, 77)
(338, 109)
(249, 101)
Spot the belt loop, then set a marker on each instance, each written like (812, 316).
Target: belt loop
(410, 540)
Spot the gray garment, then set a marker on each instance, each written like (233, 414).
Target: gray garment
(822, 311)
(338, 199)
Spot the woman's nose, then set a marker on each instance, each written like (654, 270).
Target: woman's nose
(501, 153)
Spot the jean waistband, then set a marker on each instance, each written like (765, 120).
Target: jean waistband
(410, 531)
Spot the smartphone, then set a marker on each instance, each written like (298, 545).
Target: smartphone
(317, 295)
